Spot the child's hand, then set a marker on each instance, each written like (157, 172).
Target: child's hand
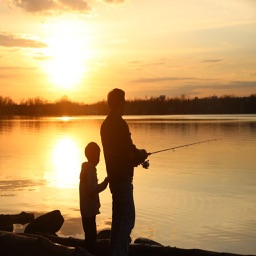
(106, 179)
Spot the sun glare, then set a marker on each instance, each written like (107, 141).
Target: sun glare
(66, 163)
(68, 51)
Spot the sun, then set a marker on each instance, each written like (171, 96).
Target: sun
(66, 67)
(68, 53)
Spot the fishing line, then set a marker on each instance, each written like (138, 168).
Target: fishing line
(145, 164)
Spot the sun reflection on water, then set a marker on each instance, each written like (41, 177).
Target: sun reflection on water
(64, 118)
(65, 163)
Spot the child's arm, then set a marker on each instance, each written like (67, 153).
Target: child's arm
(102, 186)
(92, 186)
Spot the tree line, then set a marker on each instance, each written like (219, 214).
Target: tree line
(228, 104)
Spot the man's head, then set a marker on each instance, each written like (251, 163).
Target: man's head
(116, 99)
(92, 153)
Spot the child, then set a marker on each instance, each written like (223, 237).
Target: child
(89, 190)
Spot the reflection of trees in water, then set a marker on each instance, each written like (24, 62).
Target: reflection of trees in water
(201, 127)
(6, 126)
(153, 106)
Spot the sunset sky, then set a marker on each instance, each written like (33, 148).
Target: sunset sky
(83, 49)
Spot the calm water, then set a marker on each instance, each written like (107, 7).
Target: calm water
(203, 196)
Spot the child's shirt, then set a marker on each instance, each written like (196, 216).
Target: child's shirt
(89, 190)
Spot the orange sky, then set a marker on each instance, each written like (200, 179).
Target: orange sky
(83, 49)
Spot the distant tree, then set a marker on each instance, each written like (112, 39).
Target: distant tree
(6, 101)
(34, 101)
(227, 104)
(63, 99)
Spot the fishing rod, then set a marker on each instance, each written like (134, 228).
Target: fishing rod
(145, 164)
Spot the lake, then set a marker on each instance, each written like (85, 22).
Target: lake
(202, 196)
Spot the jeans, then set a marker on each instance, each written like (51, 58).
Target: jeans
(90, 232)
(123, 219)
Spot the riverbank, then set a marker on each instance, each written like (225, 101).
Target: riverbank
(39, 239)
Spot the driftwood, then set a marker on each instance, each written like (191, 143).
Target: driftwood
(7, 220)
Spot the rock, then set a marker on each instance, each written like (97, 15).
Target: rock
(49, 223)
(48, 244)
(12, 244)
(102, 247)
(7, 220)
(146, 241)
(104, 234)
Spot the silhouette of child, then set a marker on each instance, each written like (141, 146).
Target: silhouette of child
(89, 190)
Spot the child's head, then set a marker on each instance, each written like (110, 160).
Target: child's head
(92, 153)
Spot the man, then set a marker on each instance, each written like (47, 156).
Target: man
(121, 156)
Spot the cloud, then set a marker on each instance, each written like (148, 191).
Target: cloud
(212, 60)
(192, 86)
(48, 6)
(11, 41)
(52, 6)
(240, 84)
(76, 5)
(114, 1)
(41, 56)
(231, 86)
(165, 79)
(15, 68)
(35, 5)
(11, 72)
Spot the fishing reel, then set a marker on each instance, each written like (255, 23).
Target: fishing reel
(145, 164)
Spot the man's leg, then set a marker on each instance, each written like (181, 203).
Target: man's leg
(116, 220)
(125, 216)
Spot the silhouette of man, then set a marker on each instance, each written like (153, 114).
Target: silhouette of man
(121, 156)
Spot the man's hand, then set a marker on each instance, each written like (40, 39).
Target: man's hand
(138, 157)
(144, 154)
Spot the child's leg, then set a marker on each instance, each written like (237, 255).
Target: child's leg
(90, 232)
